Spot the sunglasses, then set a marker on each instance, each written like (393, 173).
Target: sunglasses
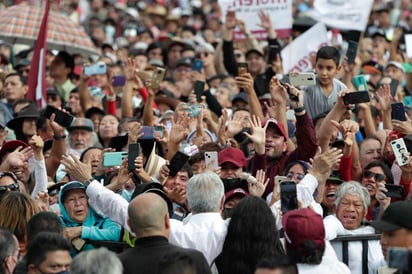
(12, 187)
(296, 176)
(377, 176)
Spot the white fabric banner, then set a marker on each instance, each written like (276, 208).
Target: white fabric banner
(296, 56)
(342, 14)
(280, 12)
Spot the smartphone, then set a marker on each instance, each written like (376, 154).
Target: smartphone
(241, 68)
(303, 79)
(114, 158)
(148, 133)
(211, 160)
(118, 142)
(62, 118)
(278, 180)
(118, 81)
(195, 110)
(274, 50)
(393, 86)
(401, 151)
(398, 111)
(288, 196)
(197, 65)
(360, 82)
(400, 258)
(157, 77)
(177, 162)
(351, 52)
(199, 87)
(394, 191)
(356, 97)
(134, 151)
(95, 69)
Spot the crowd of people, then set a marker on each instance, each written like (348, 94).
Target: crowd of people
(181, 148)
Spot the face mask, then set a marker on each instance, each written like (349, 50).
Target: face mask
(227, 213)
(110, 31)
(127, 194)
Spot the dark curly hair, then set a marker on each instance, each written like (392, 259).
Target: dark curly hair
(251, 235)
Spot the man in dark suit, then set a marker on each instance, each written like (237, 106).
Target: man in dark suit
(149, 220)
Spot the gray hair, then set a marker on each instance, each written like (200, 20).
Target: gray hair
(353, 188)
(8, 245)
(204, 192)
(96, 261)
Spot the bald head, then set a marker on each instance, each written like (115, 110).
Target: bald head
(148, 215)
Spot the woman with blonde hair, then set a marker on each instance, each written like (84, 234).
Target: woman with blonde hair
(16, 209)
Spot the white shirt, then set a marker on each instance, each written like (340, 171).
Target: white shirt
(40, 176)
(329, 264)
(304, 192)
(205, 232)
(333, 228)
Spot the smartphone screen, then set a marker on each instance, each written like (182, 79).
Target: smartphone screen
(199, 86)
(356, 97)
(288, 196)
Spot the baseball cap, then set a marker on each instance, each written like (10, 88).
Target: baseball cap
(396, 65)
(71, 186)
(232, 155)
(81, 123)
(254, 50)
(11, 146)
(278, 125)
(395, 217)
(372, 67)
(185, 61)
(242, 96)
(301, 225)
(239, 192)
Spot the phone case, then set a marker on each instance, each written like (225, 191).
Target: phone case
(95, 69)
(394, 191)
(157, 77)
(211, 160)
(241, 68)
(158, 131)
(360, 82)
(356, 97)
(197, 65)
(148, 133)
(199, 87)
(398, 112)
(393, 87)
(400, 151)
(288, 196)
(78, 243)
(177, 162)
(351, 52)
(118, 81)
(134, 152)
(62, 118)
(303, 79)
(114, 158)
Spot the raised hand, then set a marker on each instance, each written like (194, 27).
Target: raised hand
(78, 170)
(385, 98)
(234, 126)
(258, 135)
(258, 188)
(278, 91)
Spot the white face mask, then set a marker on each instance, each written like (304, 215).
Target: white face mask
(110, 30)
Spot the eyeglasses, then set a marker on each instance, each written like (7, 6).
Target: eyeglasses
(205, 54)
(377, 176)
(296, 176)
(12, 187)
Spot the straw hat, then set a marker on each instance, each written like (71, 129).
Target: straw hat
(154, 163)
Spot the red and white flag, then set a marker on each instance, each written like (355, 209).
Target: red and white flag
(37, 74)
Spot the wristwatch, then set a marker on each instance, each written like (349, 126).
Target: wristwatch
(87, 183)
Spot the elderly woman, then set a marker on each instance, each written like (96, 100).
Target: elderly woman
(352, 202)
(81, 222)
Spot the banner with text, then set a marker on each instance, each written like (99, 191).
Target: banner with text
(280, 12)
(342, 14)
(296, 56)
